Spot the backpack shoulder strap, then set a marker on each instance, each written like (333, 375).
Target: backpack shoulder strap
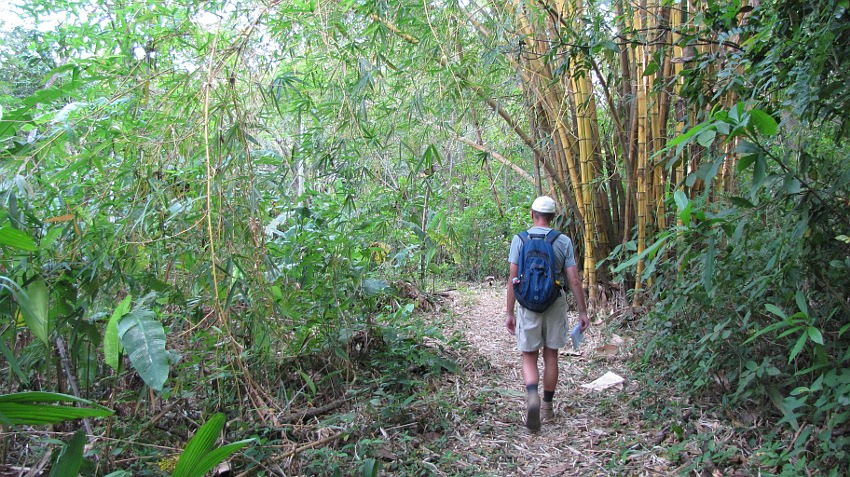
(523, 236)
(552, 236)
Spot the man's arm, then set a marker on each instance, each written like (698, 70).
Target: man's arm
(510, 320)
(575, 287)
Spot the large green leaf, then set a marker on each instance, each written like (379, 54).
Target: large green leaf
(217, 456)
(111, 343)
(69, 461)
(37, 408)
(15, 238)
(198, 446)
(34, 306)
(763, 122)
(200, 455)
(143, 338)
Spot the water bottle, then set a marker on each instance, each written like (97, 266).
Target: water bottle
(576, 335)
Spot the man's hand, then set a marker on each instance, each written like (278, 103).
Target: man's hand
(584, 320)
(510, 323)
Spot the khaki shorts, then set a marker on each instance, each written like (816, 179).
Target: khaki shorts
(536, 330)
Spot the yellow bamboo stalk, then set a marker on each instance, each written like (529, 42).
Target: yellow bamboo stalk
(663, 112)
(677, 21)
(536, 74)
(642, 118)
(583, 123)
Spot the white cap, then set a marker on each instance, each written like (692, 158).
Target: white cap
(543, 204)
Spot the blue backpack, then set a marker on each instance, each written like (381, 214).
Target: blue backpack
(537, 285)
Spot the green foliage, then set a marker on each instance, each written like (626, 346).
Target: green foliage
(799, 55)
(71, 457)
(34, 306)
(276, 177)
(751, 294)
(143, 336)
(111, 341)
(25, 59)
(201, 453)
(37, 408)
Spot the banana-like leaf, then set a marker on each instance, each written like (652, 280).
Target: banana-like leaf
(217, 456)
(16, 239)
(111, 343)
(143, 338)
(71, 459)
(198, 446)
(36, 408)
(200, 457)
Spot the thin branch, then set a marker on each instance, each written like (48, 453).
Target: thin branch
(298, 450)
(504, 160)
(312, 412)
(404, 36)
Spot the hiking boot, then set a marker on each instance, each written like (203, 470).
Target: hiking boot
(547, 413)
(532, 421)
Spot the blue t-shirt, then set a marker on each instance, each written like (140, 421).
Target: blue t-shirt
(563, 248)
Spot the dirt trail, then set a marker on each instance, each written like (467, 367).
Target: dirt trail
(583, 438)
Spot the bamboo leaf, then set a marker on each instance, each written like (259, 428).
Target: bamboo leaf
(798, 346)
(143, 337)
(684, 205)
(648, 251)
(111, 343)
(815, 335)
(741, 202)
(708, 266)
(687, 135)
(651, 68)
(794, 330)
(777, 401)
(791, 185)
(13, 363)
(767, 329)
(759, 173)
(775, 310)
(800, 298)
(308, 381)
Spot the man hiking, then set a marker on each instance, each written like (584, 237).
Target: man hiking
(530, 283)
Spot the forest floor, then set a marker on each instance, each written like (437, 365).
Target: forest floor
(615, 431)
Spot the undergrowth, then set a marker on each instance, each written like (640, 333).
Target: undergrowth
(750, 319)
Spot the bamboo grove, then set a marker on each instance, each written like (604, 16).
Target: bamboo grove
(601, 107)
(216, 121)
(587, 94)
(250, 180)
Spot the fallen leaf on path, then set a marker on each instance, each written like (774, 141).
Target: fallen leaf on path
(608, 349)
(619, 340)
(606, 381)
